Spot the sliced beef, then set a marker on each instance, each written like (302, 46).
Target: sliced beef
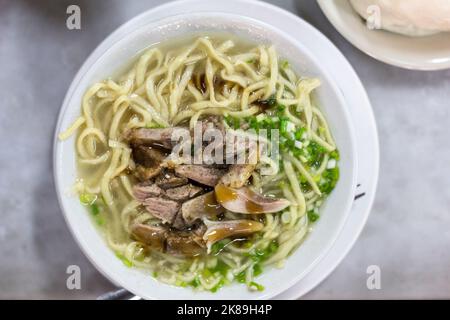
(148, 161)
(168, 179)
(204, 205)
(206, 175)
(144, 173)
(184, 192)
(237, 175)
(162, 208)
(165, 204)
(148, 156)
(179, 223)
(156, 137)
(143, 191)
(152, 236)
(162, 239)
(199, 230)
(185, 244)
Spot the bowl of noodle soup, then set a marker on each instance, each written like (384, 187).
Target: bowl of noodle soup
(234, 73)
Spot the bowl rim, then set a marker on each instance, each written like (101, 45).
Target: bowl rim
(90, 62)
(329, 7)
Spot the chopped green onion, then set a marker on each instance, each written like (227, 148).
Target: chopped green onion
(260, 117)
(218, 246)
(87, 198)
(257, 286)
(124, 260)
(330, 178)
(221, 267)
(257, 269)
(195, 283)
(218, 286)
(284, 64)
(283, 126)
(236, 123)
(334, 154)
(259, 255)
(299, 133)
(315, 154)
(206, 273)
(241, 277)
(312, 216)
(290, 126)
(95, 210)
(100, 221)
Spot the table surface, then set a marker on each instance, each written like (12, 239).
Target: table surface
(407, 234)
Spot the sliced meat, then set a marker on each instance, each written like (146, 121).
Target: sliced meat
(179, 223)
(199, 230)
(168, 179)
(206, 175)
(144, 173)
(217, 231)
(184, 192)
(143, 191)
(173, 242)
(156, 137)
(153, 236)
(161, 208)
(148, 161)
(238, 175)
(148, 156)
(201, 206)
(165, 204)
(185, 244)
(245, 200)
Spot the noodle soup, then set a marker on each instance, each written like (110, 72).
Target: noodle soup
(208, 223)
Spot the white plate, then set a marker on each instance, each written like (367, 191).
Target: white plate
(419, 53)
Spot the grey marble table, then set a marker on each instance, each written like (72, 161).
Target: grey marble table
(408, 232)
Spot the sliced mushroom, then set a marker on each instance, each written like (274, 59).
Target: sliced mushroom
(238, 175)
(245, 200)
(217, 231)
(205, 205)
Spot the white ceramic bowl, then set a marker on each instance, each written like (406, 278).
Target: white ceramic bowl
(114, 55)
(418, 53)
